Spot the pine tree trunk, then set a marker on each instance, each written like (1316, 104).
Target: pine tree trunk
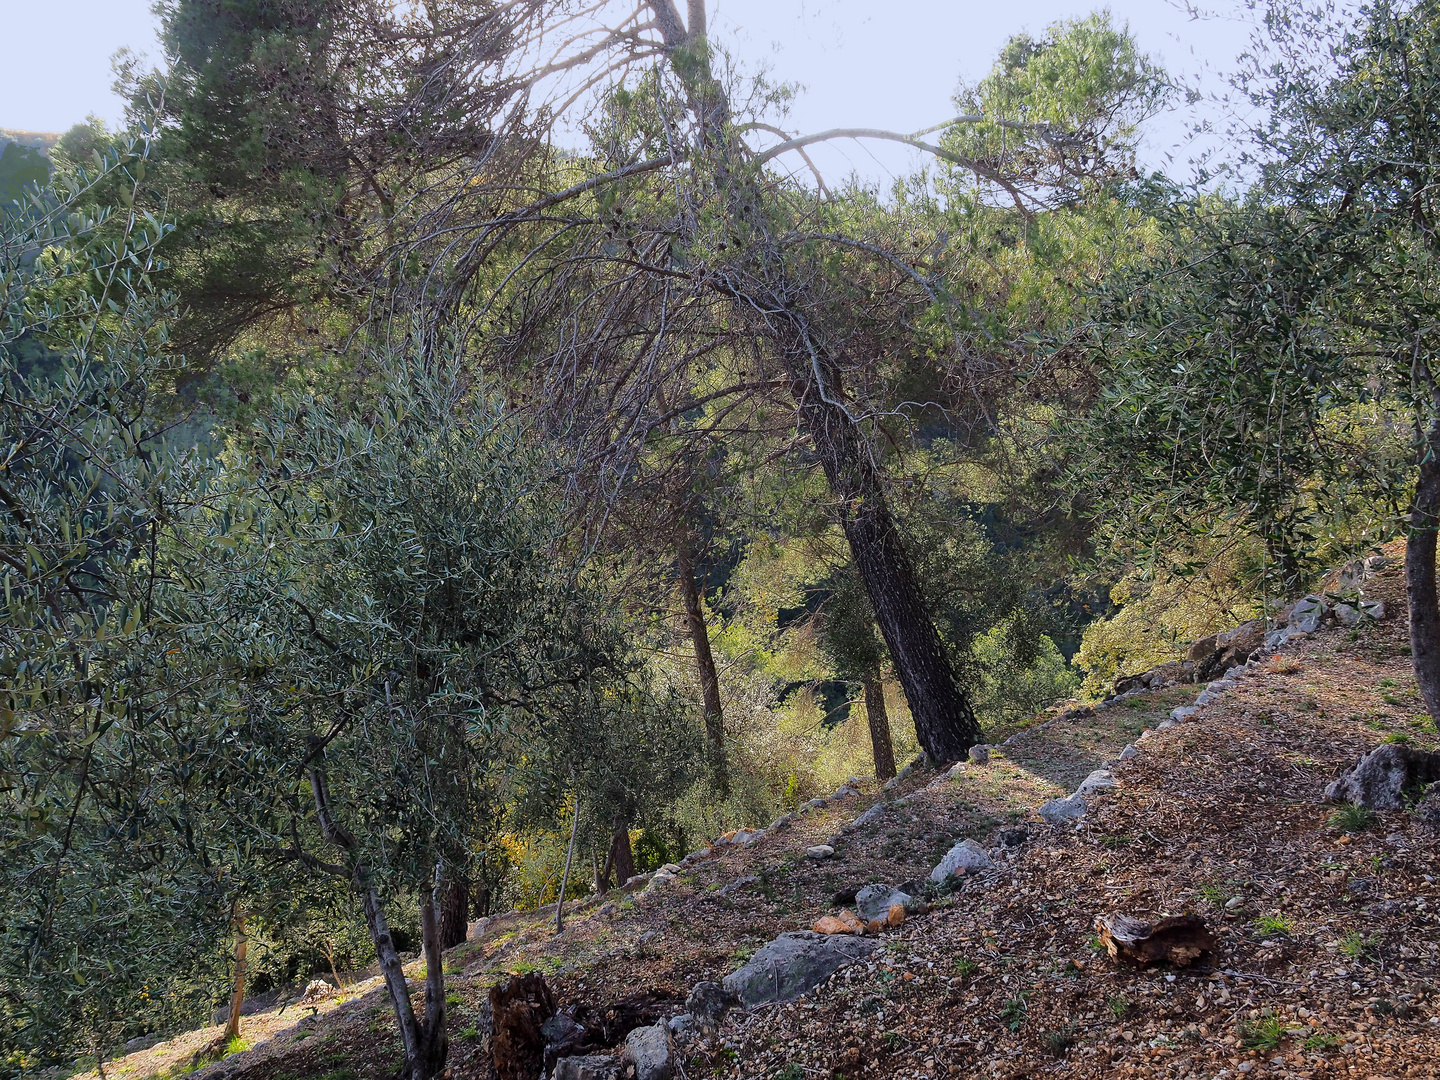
(1420, 576)
(945, 723)
(763, 291)
(879, 728)
(704, 663)
(454, 913)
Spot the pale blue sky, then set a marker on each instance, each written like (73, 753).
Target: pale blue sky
(871, 63)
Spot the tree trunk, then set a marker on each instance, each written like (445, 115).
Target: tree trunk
(425, 1047)
(879, 728)
(454, 913)
(944, 720)
(1420, 590)
(237, 997)
(434, 1042)
(704, 663)
(622, 859)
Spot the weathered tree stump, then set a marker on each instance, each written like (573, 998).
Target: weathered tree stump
(520, 1007)
(1177, 939)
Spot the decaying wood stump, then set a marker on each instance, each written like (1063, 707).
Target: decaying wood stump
(1176, 939)
(519, 1007)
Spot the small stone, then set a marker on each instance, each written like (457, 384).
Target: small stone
(1097, 783)
(1346, 615)
(589, 1067)
(980, 754)
(1184, 712)
(1203, 698)
(896, 915)
(966, 857)
(707, 1004)
(1129, 752)
(819, 851)
(833, 924)
(869, 816)
(1307, 614)
(1375, 609)
(1166, 725)
(875, 901)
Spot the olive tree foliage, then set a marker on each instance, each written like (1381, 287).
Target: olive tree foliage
(113, 883)
(1267, 366)
(404, 635)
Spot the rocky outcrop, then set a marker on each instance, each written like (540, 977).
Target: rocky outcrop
(793, 964)
(1381, 779)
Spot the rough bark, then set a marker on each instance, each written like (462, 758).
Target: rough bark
(944, 720)
(704, 662)
(237, 997)
(1179, 940)
(1420, 592)
(454, 913)
(879, 721)
(622, 859)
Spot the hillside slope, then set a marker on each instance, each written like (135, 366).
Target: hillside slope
(1328, 962)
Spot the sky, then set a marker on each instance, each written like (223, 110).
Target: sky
(862, 63)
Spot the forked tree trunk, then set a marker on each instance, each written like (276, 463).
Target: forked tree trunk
(1420, 591)
(704, 663)
(944, 720)
(434, 1041)
(237, 996)
(425, 1045)
(879, 721)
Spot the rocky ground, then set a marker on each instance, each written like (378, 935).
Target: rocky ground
(1327, 962)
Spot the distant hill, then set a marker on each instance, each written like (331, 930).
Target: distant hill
(23, 162)
(41, 140)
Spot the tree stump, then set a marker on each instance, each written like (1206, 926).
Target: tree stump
(520, 1007)
(1176, 939)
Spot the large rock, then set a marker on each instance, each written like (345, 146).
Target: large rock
(1379, 779)
(794, 964)
(589, 1067)
(1220, 652)
(1059, 811)
(874, 901)
(1307, 615)
(648, 1049)
(708, 1003)
(966, 857)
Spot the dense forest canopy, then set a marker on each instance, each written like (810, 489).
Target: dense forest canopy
(403, 507)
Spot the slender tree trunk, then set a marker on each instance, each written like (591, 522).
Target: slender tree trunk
(434, 1042)
(704, 663)
(944, 720)
(1420, 576)
(879, 727)
(237, 997)
(425, 1047)
(565, 877)
(454, 913)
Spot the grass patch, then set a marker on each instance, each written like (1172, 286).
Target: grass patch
(1058, 1041)
(1320, 1040)
(1352, 819)
(1263, 1033)
(1356, 945)
(1119, 1005)
(1273, 925)
(965, 967)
